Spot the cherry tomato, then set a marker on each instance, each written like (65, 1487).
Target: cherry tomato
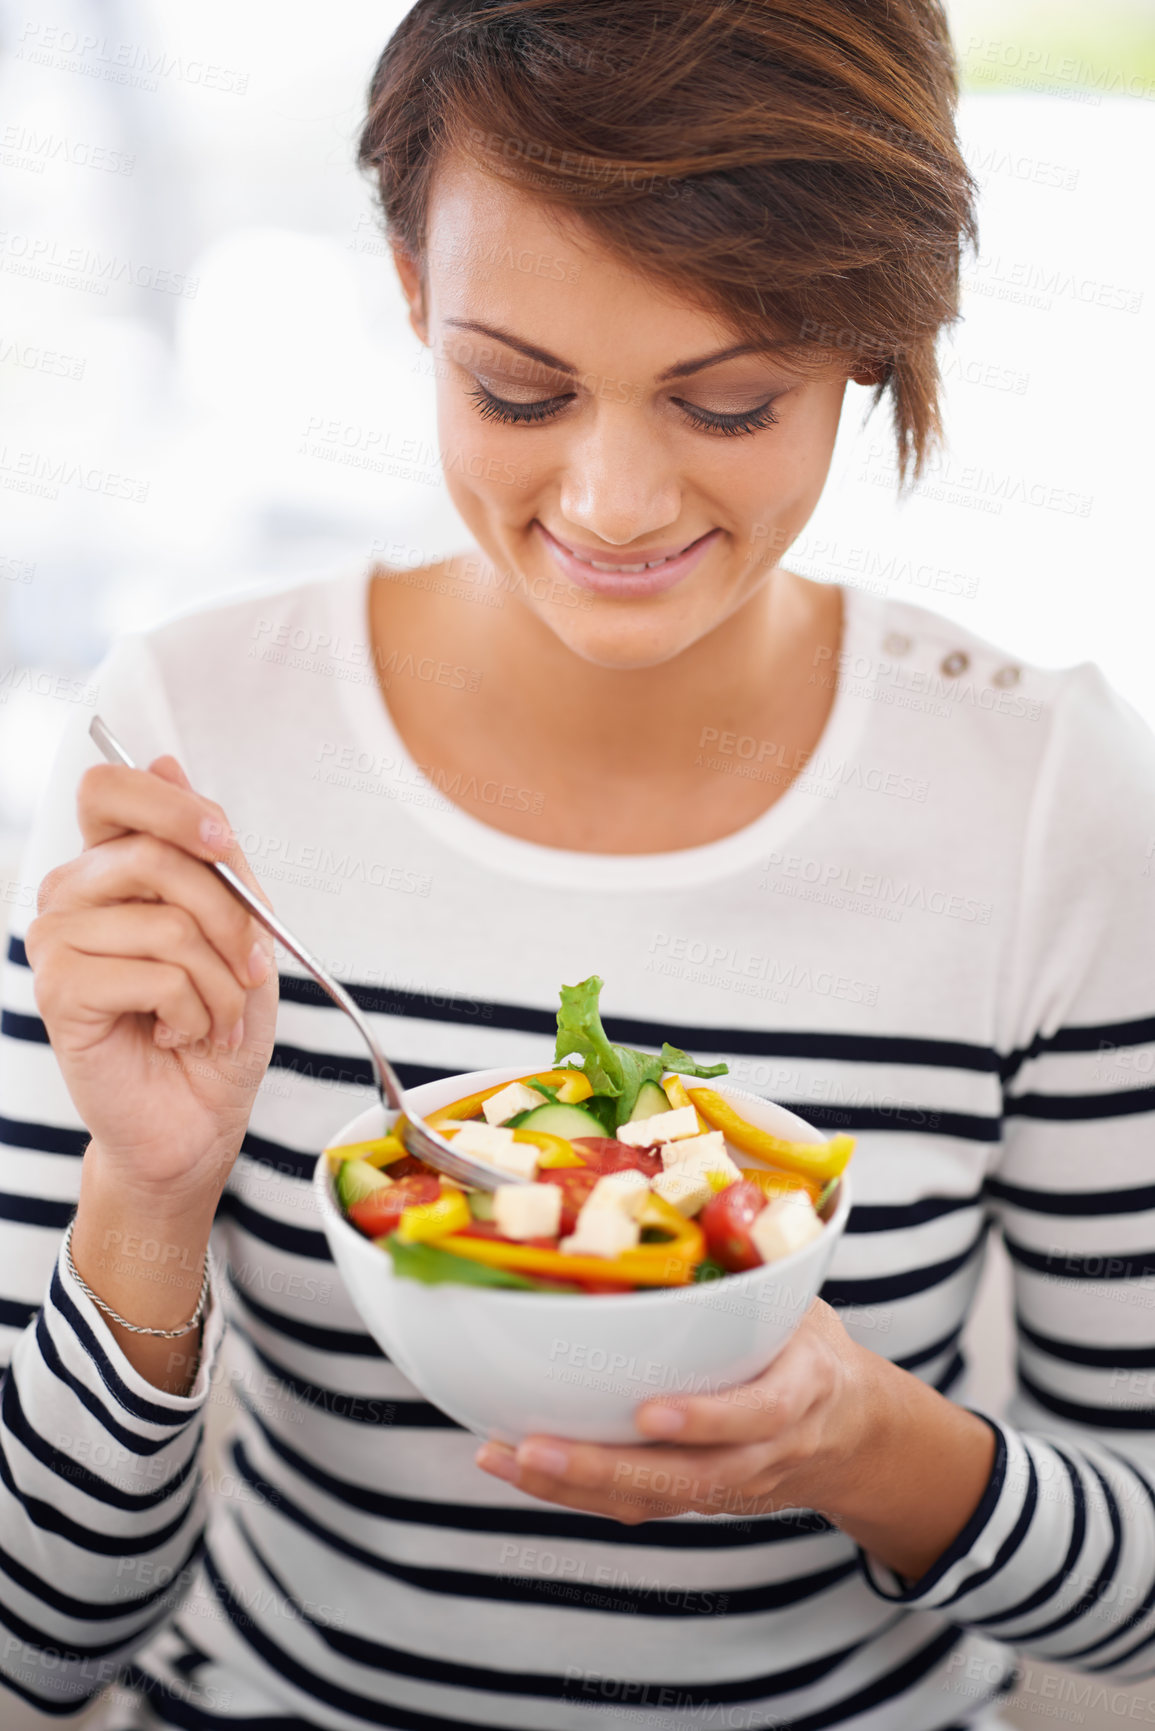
(377, 1215)
(575, 1184)
(726, 1220)
(606, 1154)
(408, 1167)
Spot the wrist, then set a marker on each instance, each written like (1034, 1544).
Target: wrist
(841, 1482)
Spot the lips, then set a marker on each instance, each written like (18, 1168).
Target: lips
(627, 577)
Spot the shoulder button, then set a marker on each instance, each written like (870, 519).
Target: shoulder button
(956, 662)
(1007, 676)
(895, 643)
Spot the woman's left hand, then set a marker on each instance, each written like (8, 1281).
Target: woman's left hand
(795, 1437)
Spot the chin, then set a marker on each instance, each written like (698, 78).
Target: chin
(620, 638)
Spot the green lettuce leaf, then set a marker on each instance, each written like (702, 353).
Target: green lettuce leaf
(618, 1071)
(436, 1267)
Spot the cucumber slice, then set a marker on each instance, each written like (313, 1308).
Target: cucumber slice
(650, 1101)
(356, 1180)
(481, 1204)
(559, 1120)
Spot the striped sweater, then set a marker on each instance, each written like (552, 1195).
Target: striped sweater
(940, 938)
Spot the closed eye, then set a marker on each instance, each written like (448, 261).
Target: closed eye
(492, 408)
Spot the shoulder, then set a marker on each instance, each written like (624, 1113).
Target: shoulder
(300, 618)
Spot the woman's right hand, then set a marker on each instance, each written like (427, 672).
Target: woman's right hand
(157, 986)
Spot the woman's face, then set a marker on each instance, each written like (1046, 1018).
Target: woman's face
(589, 419)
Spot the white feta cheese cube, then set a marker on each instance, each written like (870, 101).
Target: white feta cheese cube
(482, 1141)
(688, 1150)
(527, 1210)
(785, 1225)
(510, 1101)
(688, 1191)
(520, 1158)
(602, 1232)
(662, 1127)
(622, 1190)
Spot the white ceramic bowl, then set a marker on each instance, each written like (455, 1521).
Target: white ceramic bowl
(506, 1364)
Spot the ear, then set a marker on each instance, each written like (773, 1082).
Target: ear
(413, 289)
(872, 373)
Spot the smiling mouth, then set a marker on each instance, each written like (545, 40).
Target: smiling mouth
(617, 569)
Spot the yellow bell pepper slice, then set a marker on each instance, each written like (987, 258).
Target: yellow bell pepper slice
(555, 1150)
(470, 1105)
(675, 1091)
(774, 1184)
(671, 1263)
(818, 1161)
(382, 1151)
(432, 1221)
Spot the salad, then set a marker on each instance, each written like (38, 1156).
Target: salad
(632, 1177)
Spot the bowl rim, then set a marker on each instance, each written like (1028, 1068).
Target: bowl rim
(744, 1282)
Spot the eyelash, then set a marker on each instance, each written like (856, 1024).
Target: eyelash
(492, 408)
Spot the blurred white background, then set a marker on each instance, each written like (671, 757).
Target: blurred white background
(204, 365)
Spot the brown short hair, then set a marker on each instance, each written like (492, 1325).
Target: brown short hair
(792, 164)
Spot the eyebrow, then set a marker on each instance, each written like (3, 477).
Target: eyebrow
(681, 371)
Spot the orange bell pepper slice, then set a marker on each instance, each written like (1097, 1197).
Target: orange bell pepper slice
(818, 1161)
(671, 1263)
(381, 1151)
(470, 1105)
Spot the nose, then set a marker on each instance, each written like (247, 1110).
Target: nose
(618, 483)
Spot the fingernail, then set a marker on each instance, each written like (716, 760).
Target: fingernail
(662, 1420)
(216, 835)
(499, 1461)
(236, 1036)
(544, 1458)
(258, 964)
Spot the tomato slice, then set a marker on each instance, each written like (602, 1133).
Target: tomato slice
(726, 1220)
(606, 1154)
(378, 1214)
(575, 1184)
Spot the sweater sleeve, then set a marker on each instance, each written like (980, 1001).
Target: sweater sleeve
(1058, 1560)
(100, 1504)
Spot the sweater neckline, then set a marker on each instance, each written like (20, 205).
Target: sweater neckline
(372, 727)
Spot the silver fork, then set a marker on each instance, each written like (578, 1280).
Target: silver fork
(417, 1136)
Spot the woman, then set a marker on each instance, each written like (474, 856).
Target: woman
(890, 876)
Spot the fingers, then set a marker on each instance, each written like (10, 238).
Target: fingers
(213, 1005)
(112, 801)
(633, 1484)
(140, 870)
(72, 987)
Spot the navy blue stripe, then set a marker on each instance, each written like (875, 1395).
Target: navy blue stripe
(894, 1120)
(286, 1162)
(297, 1240)
(404, 1663)
(896, 1682)
(1068, 1108)
(1010, 1544)
(1102, 1580)
(43, 1138)
(89, 1484)
(88, 1611)
(50, 1520)
(332, 1068)
(1097, 1357)
(897, 1216)
(179, 1712)
(884, 1287)
(150, 1411)
(1101, 1417)
(926, 1353)
(1065, 1265)
(129, 1439)
(16, 952)
(1076, 1203)
(1062, 1574)
(507, 1589)
(1138, 1615)
(16, 1315)
(18, 1026)
(356, 1408)
(336, 1340)
(35, 1210)
(542, 1521)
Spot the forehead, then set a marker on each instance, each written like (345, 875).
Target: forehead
(497, 254)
